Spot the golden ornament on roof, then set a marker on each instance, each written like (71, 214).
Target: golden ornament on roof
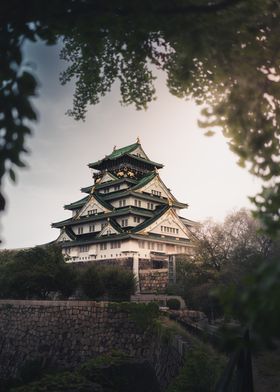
(120, 174)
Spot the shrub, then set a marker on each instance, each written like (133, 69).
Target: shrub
(173, 304)
(91, 283)
(119, 284)
(63, 382)
(201, 371)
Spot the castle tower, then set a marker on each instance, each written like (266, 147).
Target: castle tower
(128, 217)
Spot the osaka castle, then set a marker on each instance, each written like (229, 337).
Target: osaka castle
(128, 217)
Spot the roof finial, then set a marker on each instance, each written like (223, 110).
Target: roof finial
(170, 202)
(115, 147)
(138, 140)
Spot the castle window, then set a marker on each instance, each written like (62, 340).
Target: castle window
(103, 246)
(115, 244)
(92, 212)
(167, 229)
(106, 190)
(116, 188)
(84, 248)
(155, 193)
(80, 230)
(91, 228)
(136, 219)
(122, 203)
(124, 222)
(142, 244)
(160, 246)
(137, 203)
(150, 206)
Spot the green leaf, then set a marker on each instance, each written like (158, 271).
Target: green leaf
(209, 133)
(12, 175)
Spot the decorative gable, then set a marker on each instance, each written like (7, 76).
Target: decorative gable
(168, 224)
(63, 236)
(92, 207)
(156, 187)
(139, 152)
(107, 177)
(108, 230)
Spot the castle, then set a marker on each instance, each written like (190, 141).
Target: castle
(128, 218)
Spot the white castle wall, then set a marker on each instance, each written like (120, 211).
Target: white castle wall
(113, 188)
(130, 201)
(128, 248)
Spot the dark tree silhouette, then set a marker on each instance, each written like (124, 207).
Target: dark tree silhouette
(223, 54)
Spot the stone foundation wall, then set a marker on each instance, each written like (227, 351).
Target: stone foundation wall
(67, 333)
(152, 281)
(145, 264)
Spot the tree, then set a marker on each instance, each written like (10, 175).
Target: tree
(223, 54)
(115, 283)
(119, 283)
(234, 241)
(225, 254)
(195, 281)
(91, 283)
(35, 273)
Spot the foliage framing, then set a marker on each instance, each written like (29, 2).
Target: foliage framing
(223, 54)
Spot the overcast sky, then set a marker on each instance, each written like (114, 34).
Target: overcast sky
(200, 171)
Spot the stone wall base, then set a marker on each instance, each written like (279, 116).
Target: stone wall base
(153, 280)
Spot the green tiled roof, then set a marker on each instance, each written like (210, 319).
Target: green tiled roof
(156, 164)
(62, 223)
(109, 183)
(144, 196)
(94, 239)
(122, 236)
(70, 233)
(118, 153)
(145, 180)
(87, 189)
(115, 225)
(148, 222)
(83, 201)
(124, 150)
(127, 150)
(102, 201)
(76, 204)
(92, 218)
(169, 239)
